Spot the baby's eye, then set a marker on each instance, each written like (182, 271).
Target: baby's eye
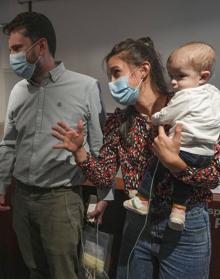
(182, 75)
(178, 77)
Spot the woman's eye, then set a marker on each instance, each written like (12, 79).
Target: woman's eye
(116, 73)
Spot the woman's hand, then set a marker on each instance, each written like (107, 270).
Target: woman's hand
(72, 139)
(167, 149)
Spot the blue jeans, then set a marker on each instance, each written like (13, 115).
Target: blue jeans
(162, 253)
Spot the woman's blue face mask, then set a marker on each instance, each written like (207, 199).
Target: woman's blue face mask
(122, 93)
(21, 66)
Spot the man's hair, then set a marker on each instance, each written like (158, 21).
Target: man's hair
(35, 26)
(200, 55)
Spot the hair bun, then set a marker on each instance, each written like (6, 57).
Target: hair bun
(147, 41)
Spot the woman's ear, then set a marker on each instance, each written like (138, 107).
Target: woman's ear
(145, 69)
(204, 77)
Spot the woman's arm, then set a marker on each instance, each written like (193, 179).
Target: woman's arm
(209, 176)
(167, 151)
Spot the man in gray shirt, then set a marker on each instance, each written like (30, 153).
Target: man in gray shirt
(47, 205)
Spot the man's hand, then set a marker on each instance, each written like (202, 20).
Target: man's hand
(167, 149)
(98, 212)
(3, 206)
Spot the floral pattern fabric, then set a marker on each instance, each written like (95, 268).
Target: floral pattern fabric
(136, 156)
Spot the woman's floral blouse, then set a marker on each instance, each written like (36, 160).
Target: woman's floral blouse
(136, 156)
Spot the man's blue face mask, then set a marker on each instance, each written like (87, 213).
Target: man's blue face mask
(21, 66)
(122, 93)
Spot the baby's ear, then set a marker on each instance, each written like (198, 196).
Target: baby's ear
(204, 76)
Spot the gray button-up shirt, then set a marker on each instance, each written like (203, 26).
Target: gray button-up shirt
(26, 149)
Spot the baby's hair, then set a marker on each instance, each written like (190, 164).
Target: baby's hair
(200, 55)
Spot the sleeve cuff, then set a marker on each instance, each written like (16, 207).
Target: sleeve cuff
(107, 193)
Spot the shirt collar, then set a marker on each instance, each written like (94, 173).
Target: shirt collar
(52, 75)
(57, 71)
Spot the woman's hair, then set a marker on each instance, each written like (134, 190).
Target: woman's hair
(135, 52)
(34, 26)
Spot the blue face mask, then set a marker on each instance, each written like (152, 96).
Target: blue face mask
(122, 93)
(21, 66)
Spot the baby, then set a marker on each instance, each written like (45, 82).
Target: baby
(196, 105)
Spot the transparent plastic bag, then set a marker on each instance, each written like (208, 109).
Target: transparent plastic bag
(96, 252)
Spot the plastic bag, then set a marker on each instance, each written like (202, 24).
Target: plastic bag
(96, 252)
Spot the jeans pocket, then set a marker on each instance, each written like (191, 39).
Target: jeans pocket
(196, 219)
(197, 231)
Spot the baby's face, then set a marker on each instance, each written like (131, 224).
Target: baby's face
(182, 75)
